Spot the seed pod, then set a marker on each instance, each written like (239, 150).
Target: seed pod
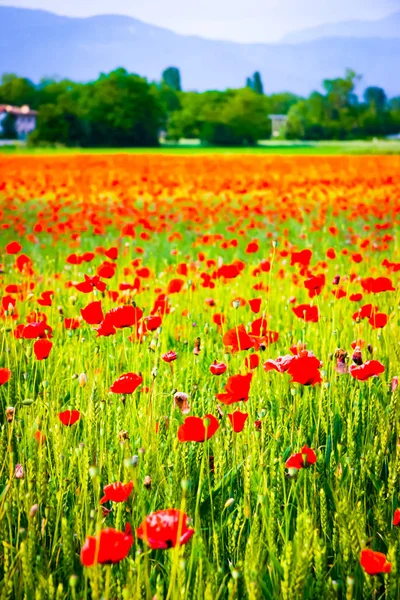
(10, 412)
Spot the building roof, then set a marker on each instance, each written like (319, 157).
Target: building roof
(18, 110)
(278, 117)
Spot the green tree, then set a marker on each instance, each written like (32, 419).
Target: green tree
(17, 91)
(375, 98)
(255, 83)
(172, 78)
(120, 109)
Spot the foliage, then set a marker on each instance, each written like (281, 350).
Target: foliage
(255, 83)
(171, 77)
(122, 109)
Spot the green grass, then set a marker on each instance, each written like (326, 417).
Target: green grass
(281, 148)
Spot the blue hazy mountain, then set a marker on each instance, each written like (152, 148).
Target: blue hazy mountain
(389, 27)
(39, 44)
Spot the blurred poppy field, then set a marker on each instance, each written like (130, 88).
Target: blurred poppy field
(199, 377)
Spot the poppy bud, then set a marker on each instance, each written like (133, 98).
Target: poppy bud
(33, 510)
(60, 310)
(357, 358)
(370, 349)
(395, 383)
(181, 402)
(82, 379)
(19, 471)
(154, 372)
(236, 303)
(123, 435)
(147, 482)
(10, 412)
(336, 280)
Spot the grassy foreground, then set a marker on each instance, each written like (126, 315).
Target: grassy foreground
(376, 147)
(283, 246)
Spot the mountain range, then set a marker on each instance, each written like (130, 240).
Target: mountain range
(37, 44)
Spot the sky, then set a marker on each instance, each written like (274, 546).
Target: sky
(237, 20)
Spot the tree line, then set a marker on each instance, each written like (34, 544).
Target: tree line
(122, 109)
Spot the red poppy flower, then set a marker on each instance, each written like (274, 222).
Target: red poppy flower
(380, 284)
(39, 437)
(93, 313)
(35, 330)
(218, 368)
(238, 420)
(5, 375)
(219, 319)
(255, 304)
(13, 248)
(42, 348)
(306, 312)
(365, 312)
(110, 546)
(281, 364)
(396, 517)
(106, 270)
(126, 384)
(45, 299)
(238, 339)
(105, 328)
(71, 324)
(374, 562)
(251, 362)
(175, 286)
(355, 297)
(302, 459)
(339, 293)
(302, 258)
(69, 417)
(152, 322)
(165, 529)
(24, 264)
(259, 327)
(367, 370)
(90, 284)
(237, 389)
(112, 253)
(124, 316)
(304, 369)
(314, 285)
(161, 305)
(228, 271)
(198, 429)
(378, 320)
(169, 356)
(117, 492)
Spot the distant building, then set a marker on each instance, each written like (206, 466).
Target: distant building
(278, 124)
(24, 119)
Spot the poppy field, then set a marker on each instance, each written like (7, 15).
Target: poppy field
(199, 377)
